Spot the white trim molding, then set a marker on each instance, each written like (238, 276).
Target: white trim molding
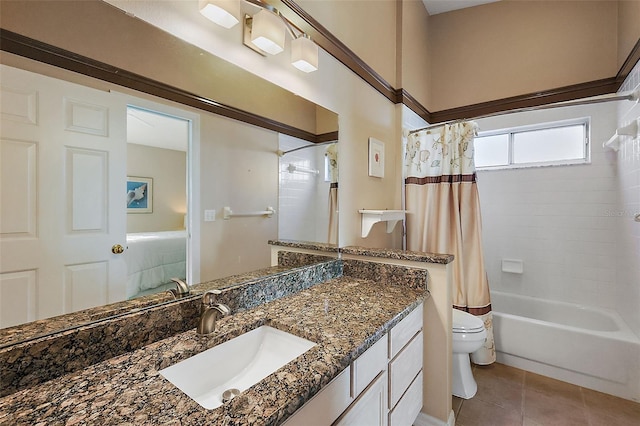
(427, 420)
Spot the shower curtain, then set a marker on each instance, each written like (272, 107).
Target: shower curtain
(332, 155)
(444, 215)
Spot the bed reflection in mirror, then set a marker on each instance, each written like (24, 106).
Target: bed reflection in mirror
(156, 233)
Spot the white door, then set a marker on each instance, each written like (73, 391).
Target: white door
(62, 186)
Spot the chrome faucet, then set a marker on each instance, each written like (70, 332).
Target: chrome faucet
(181, 290)
(210, 312)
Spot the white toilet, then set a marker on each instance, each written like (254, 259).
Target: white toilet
(469, 335)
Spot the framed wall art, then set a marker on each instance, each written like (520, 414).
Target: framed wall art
(139, 194)
(376, 158)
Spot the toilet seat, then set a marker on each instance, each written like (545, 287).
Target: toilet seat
(464, 322)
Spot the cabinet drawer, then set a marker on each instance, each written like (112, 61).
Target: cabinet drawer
(409, 405)
(326, 405)
(404, 368)
(369, 365)
(370, 409)
(404, 331)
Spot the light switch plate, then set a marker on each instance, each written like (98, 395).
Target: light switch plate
(209, 215)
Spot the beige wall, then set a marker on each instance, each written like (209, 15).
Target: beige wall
(326, 121)
(628, 27)
(511, 48)
(366, 27)
(238, 169)
(168, 169)
(415, 60)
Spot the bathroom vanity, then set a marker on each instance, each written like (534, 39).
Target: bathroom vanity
(367, 360)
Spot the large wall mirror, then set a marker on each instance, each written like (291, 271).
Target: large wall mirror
(73, 143)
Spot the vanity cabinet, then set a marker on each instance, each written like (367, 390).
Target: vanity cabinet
(405, 369)
(381, 387)
(370, 408)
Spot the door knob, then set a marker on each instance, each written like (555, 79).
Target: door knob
(117, 249)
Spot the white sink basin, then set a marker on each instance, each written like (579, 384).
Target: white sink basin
(238, 363)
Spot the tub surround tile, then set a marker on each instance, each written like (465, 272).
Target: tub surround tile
(40, 359)
(344, 316)
(414, 256)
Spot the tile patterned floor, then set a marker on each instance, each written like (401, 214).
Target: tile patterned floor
(508, 396)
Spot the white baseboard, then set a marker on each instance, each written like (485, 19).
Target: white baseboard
(427, 420)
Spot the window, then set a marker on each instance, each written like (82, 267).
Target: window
(564, 142)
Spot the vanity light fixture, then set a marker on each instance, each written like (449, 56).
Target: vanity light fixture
(265, 31)
(304, 53)
(222, 12)
(268, 30)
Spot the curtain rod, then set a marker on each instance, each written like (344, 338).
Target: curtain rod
(281, 153)
(626, 96)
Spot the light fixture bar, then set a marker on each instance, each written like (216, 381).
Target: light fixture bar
(264, 32)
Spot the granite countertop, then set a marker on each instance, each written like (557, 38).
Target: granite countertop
(414, 256)
(308, 245)
(43, 327)
(344, 316)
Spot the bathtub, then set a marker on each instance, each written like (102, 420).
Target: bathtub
(589, 347)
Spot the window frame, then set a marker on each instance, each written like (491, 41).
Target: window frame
(511, 131)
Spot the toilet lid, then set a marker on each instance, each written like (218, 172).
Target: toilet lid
(465, 322)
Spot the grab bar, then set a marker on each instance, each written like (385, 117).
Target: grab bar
(293, 168)
(228, 213)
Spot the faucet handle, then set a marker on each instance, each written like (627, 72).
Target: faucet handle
(209, 298)
(181, 290)
(223, 309)
(210, 311)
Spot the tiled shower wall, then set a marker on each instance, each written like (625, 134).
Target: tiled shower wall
(558, 220)
(628, 262)
(303, 197)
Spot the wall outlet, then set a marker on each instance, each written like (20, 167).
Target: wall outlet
(209, 215)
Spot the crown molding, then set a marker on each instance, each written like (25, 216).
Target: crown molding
(336, 48)
(404, 97)
(529, 100)
(325, 39)
(629, 63)
(34, 49)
